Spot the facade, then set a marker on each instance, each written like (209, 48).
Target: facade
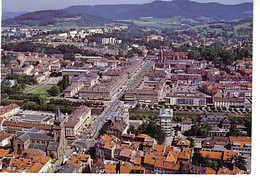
(166, 120)
(154, 38)
(242, 145)
(186, 99)
(163, 55)
(144, 96)
(54, 145)
(229, 102)
(76, 122)
(5, 139)
(73, 89)
(186, 124)
(9, 110)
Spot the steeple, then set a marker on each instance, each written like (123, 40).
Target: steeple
(57, 119)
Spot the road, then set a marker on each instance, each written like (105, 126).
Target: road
(115, 101)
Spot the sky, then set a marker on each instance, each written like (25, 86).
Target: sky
(35, 5)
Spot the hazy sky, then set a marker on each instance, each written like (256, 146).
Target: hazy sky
(35, 5)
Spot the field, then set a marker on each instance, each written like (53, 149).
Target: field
(146, 113)
(41, 90)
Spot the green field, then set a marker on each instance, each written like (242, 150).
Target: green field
(41, 90)
(146, 113)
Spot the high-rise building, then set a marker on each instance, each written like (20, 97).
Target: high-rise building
(166, 120)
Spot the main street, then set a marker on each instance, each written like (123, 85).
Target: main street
(99, 121)
(115, 101)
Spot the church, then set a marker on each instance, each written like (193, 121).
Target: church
(53, 144)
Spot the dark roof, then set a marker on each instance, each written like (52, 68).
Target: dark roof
(208, 143)
(33, 134)
(24, 137)
(53, 146)
(219, 138)
(67, 168)
(42, 147)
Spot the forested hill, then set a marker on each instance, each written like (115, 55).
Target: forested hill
(167, 9)
(100, 14)
(52, 17)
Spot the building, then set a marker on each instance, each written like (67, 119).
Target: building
(76, 122)
(242, 145)
(54, 145)
(215, 120)
(186, 79)
(73, 89)
(111, 41)
(36, 164)
(68, 168)
(5, 138)
(9, 110)
(141, 95)
(106, 146)
(166, 120)
(40, 78)
(81, 161)
(229, 102)
(163, 55)
(186, 124)
(154, 38)
(74, 72)
(186, 99)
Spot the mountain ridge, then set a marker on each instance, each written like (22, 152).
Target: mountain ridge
(156, 9)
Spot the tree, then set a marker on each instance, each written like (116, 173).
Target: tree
(64, 83)
(205, 129)
(240, 163)
(131, 129)
(248, 125)
(137, 105)
(69, 56)
(233, 129)
(155, 131)
(54, 91)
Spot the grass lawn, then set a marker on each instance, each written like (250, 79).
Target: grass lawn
(147, 113)
(41, 90)
(96, 111)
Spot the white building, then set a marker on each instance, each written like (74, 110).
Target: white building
(166, 120)
(154, 38)
(63, 35)
(73, 33)
(111, 41)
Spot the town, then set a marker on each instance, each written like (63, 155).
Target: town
(125, 99)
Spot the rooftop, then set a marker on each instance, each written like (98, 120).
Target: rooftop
(166, 113)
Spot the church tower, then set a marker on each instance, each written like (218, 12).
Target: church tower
(59, 132)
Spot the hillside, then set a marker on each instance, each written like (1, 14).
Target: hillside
(100, 14)
(167, 9)
(52, 17)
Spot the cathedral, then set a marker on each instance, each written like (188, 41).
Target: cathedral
(53, 144)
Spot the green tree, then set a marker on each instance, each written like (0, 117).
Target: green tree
(240, 163)
(155, 131)
(131, 129)
(54, 91)
(205, 129)
(64, 83)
